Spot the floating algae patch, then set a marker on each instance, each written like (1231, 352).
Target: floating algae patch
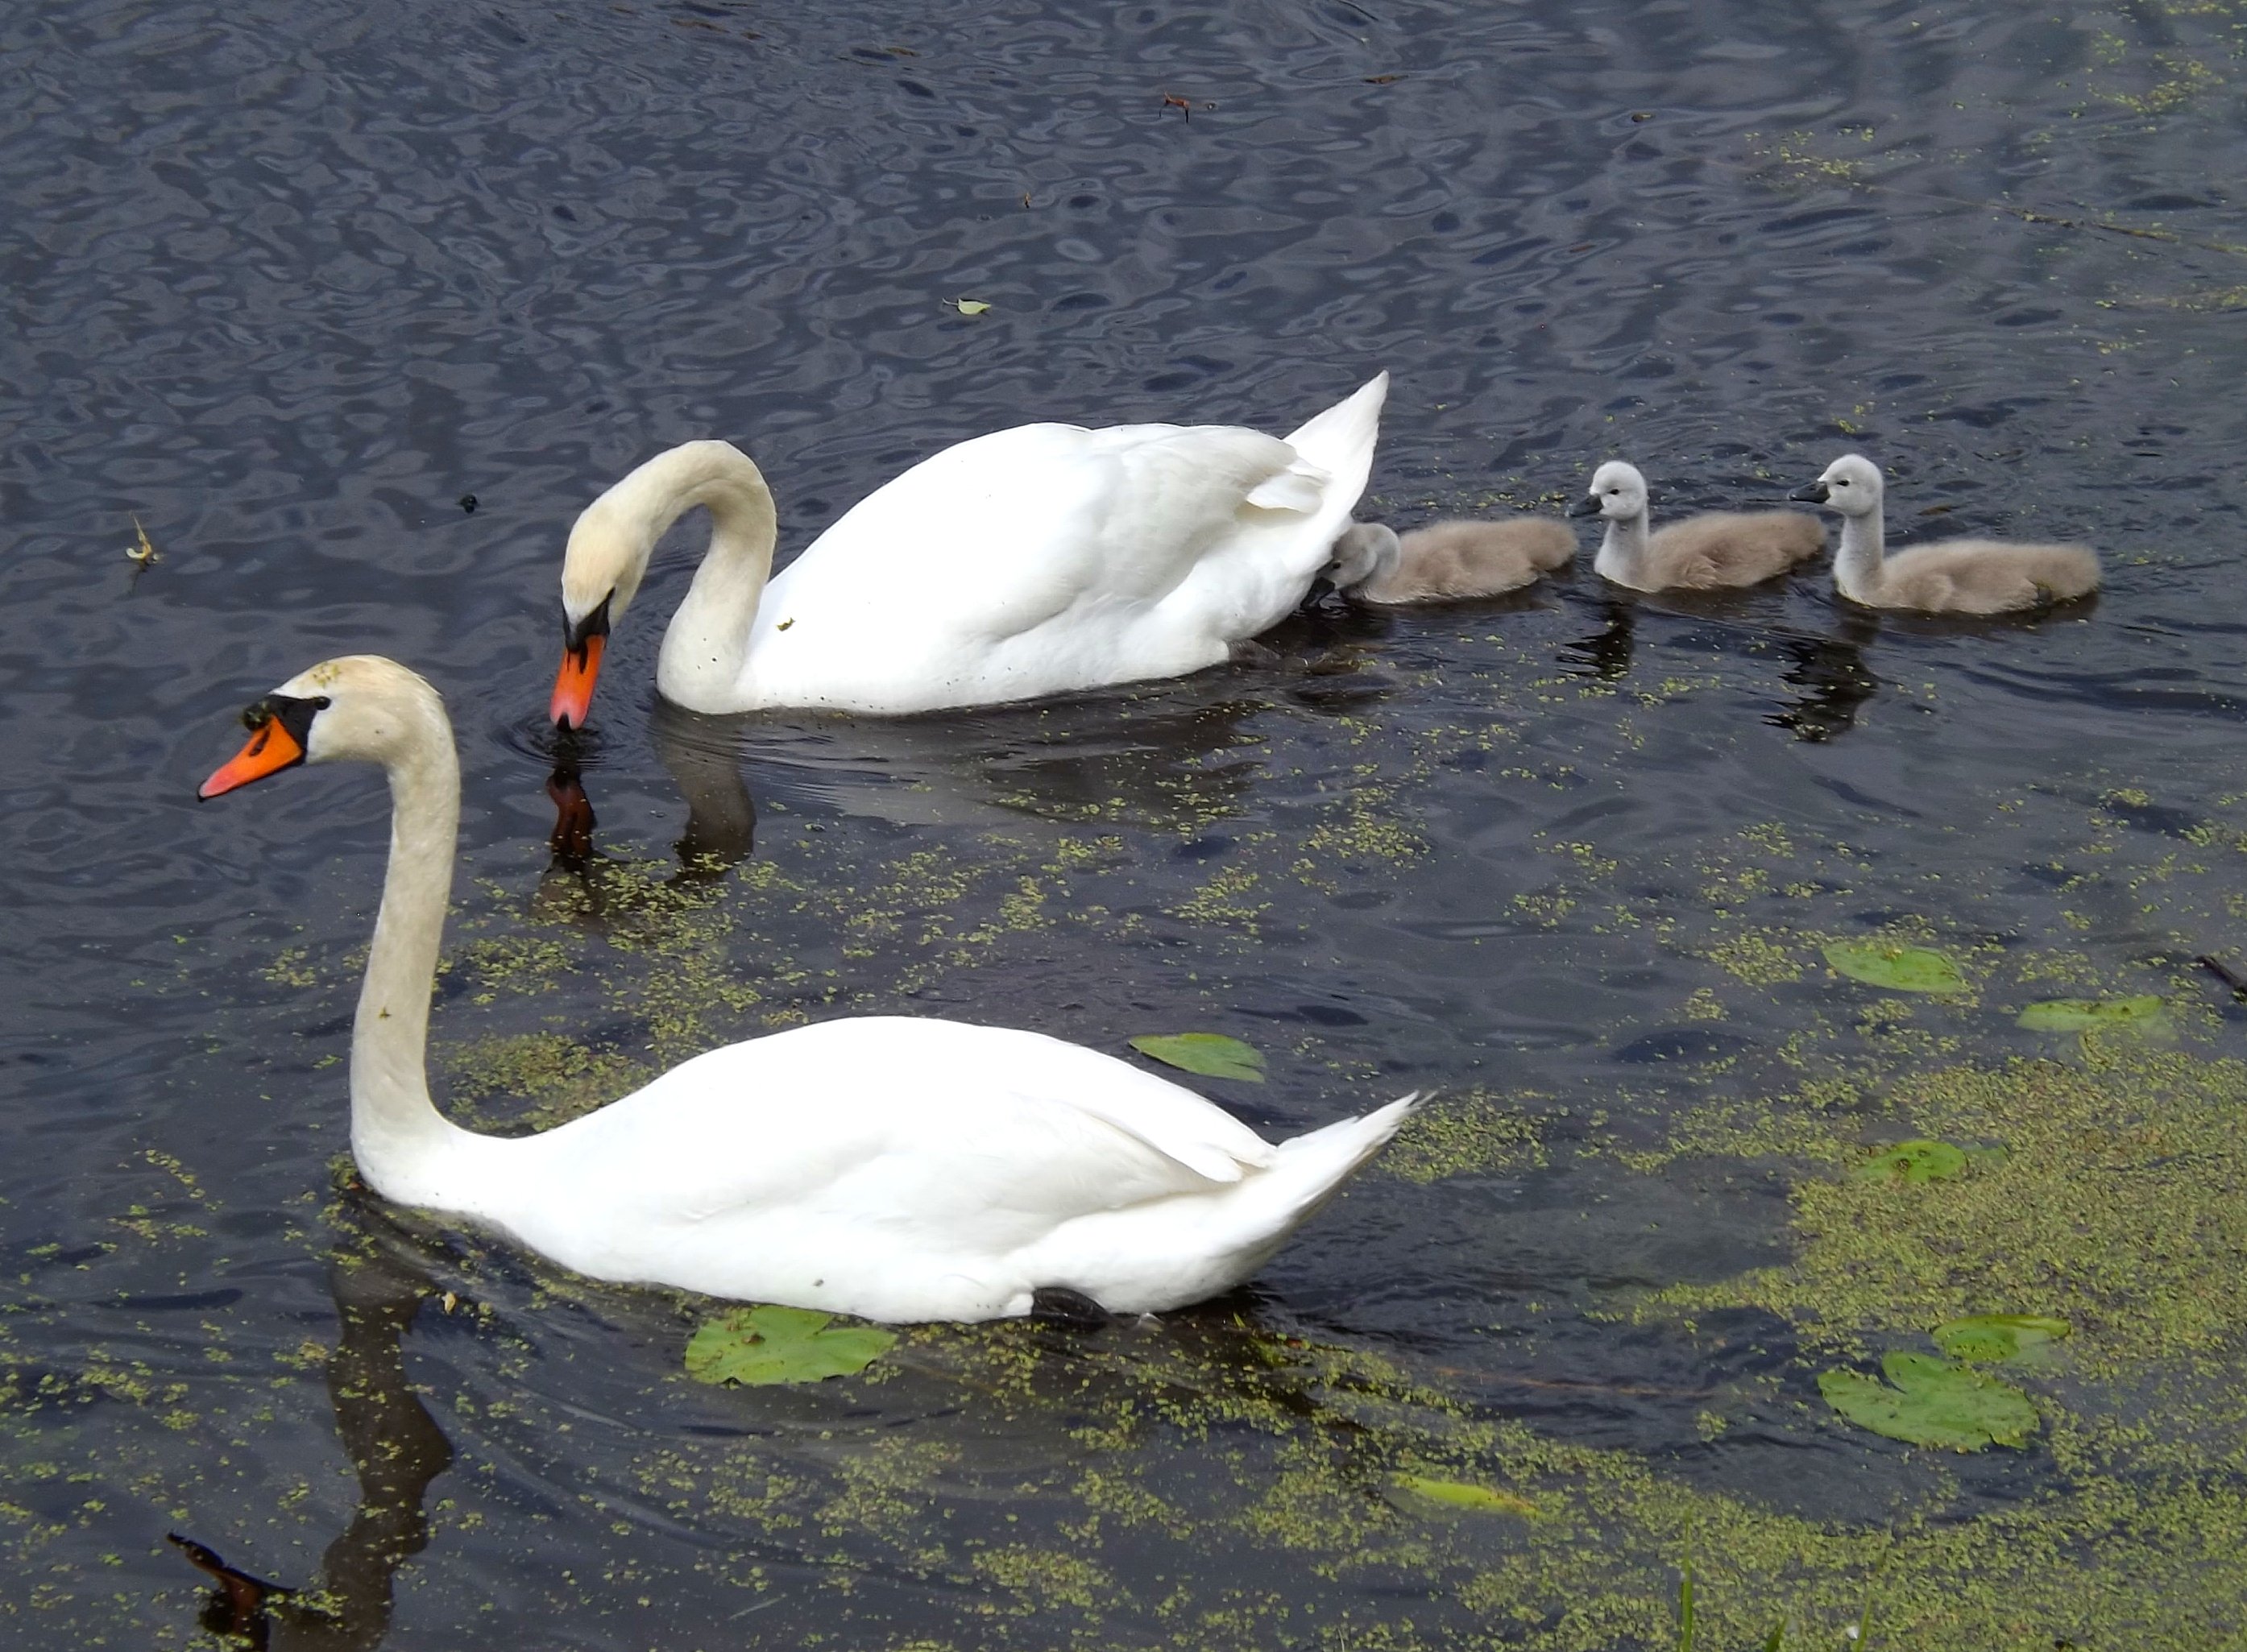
(2117, 1201)
(1205, 1483)
(529, 1081)
(1465, 1134)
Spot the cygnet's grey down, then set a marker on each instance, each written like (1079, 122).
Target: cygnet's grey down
(1949, 576)
(1445, 561)
(1702, 553)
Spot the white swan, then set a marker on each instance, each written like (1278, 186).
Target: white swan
(1033, 560)
(1949, 577)
(1445, 561)
(891, 1167)
(1715, 551)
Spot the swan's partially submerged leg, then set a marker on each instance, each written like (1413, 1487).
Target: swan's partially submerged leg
(1059, 1305)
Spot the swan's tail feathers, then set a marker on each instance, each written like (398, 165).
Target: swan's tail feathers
(1308, 1169)
(1339, 441)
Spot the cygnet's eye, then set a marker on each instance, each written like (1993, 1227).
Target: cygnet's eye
(1840, 482)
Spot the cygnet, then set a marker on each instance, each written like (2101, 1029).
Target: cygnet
(1445, 561)
(1702, 553)
(1950, 576)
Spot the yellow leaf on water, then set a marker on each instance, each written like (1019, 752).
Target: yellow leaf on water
(1461, 1494)
(143, 552)
(969, 306)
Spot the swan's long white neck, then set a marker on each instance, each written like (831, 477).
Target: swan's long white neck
(1623, 551)
(407, 1150)
(1857, 563)
(707, 646)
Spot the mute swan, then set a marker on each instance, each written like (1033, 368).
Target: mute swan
(1710, 552)
(1445, 561)
(1949, 576)
(1031, 561)
(891, 1167)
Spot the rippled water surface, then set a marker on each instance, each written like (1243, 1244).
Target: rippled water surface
(292, 284)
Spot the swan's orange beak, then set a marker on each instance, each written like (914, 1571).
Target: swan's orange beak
(271, 749)
(573, 688)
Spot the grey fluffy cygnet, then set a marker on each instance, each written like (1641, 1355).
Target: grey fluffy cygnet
(1445, 561)
(1702, 553)
(1949, 576)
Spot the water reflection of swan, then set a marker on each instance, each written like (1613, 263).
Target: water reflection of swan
(1041, 560)
(396, 1448)
(1178, 756)
(1606, 653)
(891, 1167)
(1833, 678)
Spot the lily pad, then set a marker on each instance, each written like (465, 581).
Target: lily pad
(1901, 969)
(1212, 1055)
(2096, 1015)
(1999, 1337)
(1913, 1163)
(1933, 1401)
(1462, 1494)
(760, 1347)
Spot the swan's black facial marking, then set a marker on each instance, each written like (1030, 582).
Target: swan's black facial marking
(596, 624)
(280, 737)
(294, 715)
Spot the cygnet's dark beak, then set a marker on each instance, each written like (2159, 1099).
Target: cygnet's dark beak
(1322, 588)
(1813, 495)
(1587, 506)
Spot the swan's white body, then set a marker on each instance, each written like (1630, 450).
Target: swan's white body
(1033, 561)
(890, 1167)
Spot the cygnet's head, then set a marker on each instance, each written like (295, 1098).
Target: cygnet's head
(360, 705)
(1359, 554)
(1851, 484)
(1618, 492)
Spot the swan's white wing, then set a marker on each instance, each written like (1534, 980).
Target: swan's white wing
(934, 1124)
(1013, 528)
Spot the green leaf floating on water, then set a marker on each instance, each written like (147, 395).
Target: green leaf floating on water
(1461, 1494)
(1933, 1402)
(1901, 969)
(759, 1347)
(1914, 1163)
(1212, 1055)
(2096, 1015)
(1998, 1336)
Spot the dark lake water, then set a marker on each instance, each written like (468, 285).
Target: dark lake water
(286, 283)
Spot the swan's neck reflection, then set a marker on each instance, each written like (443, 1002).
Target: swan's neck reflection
(1606, 653)
(396, 1448)
(722, 817)
(1832, 677)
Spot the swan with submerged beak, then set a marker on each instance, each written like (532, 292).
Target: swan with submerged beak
(1039, 560)
(893, 1167)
